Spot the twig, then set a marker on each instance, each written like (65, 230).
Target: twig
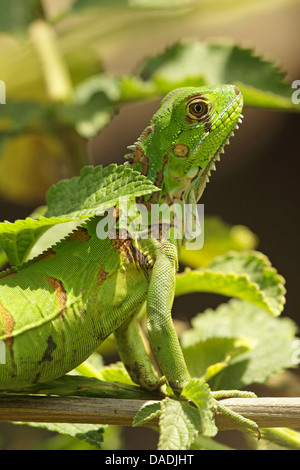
(266, 412)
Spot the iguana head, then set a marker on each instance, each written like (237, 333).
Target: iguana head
(185, 138)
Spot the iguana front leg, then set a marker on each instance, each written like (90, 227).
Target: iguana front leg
(162, 334)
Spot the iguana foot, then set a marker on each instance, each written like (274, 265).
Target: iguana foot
(245, 422)
(152, 385)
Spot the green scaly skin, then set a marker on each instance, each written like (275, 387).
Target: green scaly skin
(58, 308)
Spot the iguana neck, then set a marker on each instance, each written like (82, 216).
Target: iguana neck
(157, 172)
(175, 189)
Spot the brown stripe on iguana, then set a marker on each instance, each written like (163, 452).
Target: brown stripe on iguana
(7, 325)
(128, 251)
(123, 244)
(139, 155)
(8, 273)
(158, 182)
(160, 174)
(7, 321)
(60, 293)
(80, 235)
(102, 275)
(46, 255)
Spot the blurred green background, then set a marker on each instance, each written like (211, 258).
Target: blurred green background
(49, 124)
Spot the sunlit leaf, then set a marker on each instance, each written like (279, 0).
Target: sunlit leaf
(272, 342)
(246, 275)
(95, 190)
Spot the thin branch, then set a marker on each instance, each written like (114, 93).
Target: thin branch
(266, 412)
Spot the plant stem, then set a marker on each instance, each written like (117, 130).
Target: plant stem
(56, 74)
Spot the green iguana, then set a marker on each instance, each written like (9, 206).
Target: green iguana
(56, 309)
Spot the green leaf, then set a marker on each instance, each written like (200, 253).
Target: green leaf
(148, 411)
(247, 275)
(115, 373)
(272, 342)
(205, 358)
(220, 238)
(93, 367)
(93, 104)
(16, 15)
(17, 115)
(186, 63)
(95, 190)
(91, 433)
(189, 63)
(199, 393)
(179, 425)
(18, 238)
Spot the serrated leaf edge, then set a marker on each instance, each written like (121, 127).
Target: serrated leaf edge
(266, 267)
(139, 422)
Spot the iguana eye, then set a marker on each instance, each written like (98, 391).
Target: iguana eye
(197, 108)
